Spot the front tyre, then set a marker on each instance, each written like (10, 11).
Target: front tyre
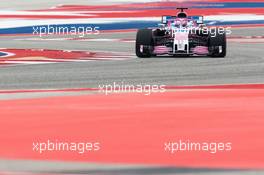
(144, 43)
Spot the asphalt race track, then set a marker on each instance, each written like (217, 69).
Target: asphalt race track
(115, 62)
(244, 64)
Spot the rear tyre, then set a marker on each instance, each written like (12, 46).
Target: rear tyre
(144, 43)
(217, 44)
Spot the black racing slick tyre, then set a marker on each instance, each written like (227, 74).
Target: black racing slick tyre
(217, 44)
(144, 43)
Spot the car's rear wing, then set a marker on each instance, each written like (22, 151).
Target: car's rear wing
(198, 19)
(165, 19)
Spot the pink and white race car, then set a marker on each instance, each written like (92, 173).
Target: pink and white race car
(181, 35)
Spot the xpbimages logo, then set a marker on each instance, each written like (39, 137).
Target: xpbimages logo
(187, 145)
(213, 31)
(122, 87)
(55, 146)
(80, 31)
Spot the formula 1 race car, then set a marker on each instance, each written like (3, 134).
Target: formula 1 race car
(181, 35)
